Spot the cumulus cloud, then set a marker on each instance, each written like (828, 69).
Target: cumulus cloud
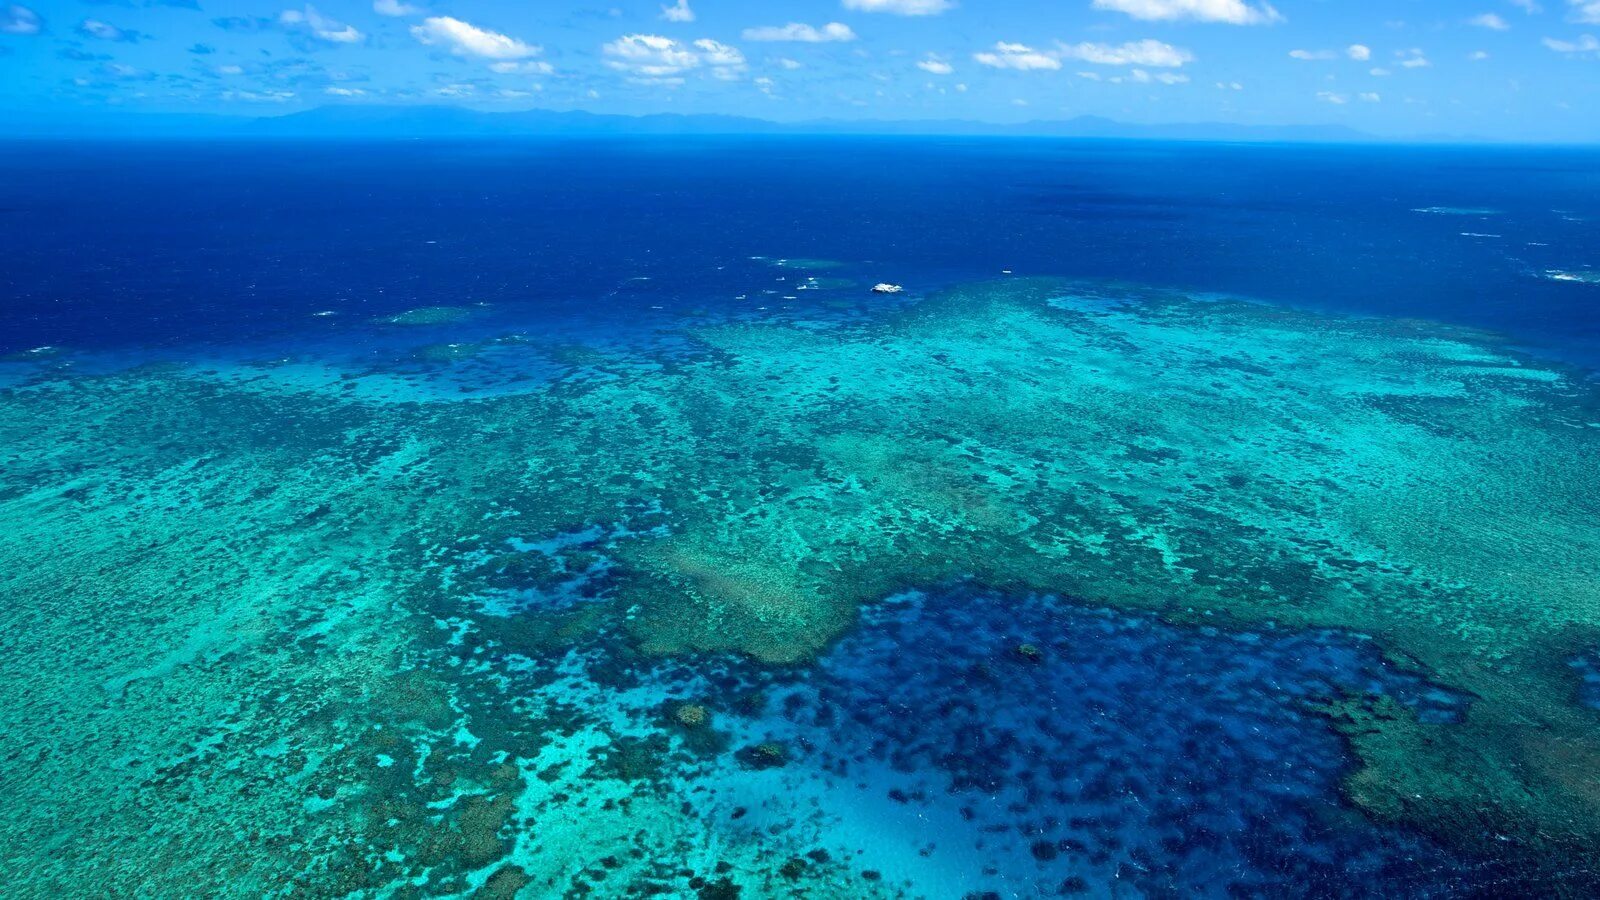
(726, 62)
(1312, 54)
(320, 27)
(654, 59)
(1134, 53)
(1231, 12)
(936, 66)
(1016, 56)
(465, 39)
(395, 8)
(795, 31)
(1358, 52)
(20, 20)
(1586, 11)
(901, 7)
(105, 31)
(678, 12)
(1491, 21)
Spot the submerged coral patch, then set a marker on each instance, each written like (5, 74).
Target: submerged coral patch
(1117, 750)
(429, 315)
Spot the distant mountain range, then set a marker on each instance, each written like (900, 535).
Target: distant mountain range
(401, 122)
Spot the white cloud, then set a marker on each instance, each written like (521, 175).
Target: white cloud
(1478, 55)
(465, 39)
(343, 92)
(523, 67)
(653, 59)
(1016, 56)
(678, 12)
(649, 56)
(1371, 97)
(1232, 12)
(95, 28)
(791, 64)
(1413, 59)
(1229, 86)
(794, 31)
(395, 8)
(1586, 11)
(1491, 21)
(230, 70)
(726, 62)
(1380, 72)
(1331, 97)
(1313, 54)
(1528, 6)
(1585, 44)
(1358, 52)
(1134, 53)
(901, 7)
(1140, 76)
(936, 66)
(320, 26)
(20, 20)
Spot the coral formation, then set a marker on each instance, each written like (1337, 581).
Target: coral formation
(258, 625)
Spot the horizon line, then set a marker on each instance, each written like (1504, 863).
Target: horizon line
(122, 124)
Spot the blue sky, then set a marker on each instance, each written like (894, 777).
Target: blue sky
(1508, 69)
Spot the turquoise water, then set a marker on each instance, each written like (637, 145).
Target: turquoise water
(627, 544)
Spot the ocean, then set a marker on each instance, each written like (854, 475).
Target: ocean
(144, 244)
(573, 517)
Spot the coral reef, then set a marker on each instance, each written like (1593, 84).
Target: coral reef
(258, 625)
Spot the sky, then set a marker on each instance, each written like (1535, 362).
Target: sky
(1499, 69)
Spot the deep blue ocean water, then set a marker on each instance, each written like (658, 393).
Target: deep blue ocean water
(116, 245)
